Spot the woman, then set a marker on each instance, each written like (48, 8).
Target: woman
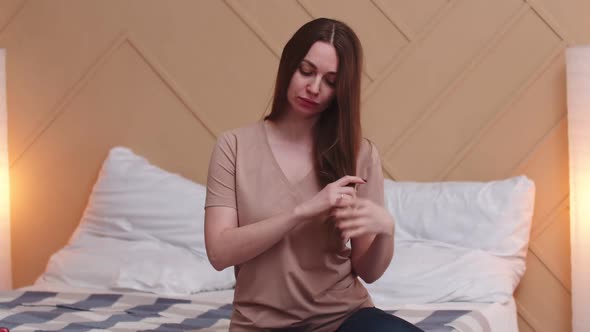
(282, 201)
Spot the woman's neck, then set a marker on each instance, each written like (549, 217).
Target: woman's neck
(294, 128)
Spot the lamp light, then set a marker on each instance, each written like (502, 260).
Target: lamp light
(5, 264)
(578, 113)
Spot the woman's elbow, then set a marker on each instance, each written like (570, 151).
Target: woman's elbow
(216, 259)
(369, 278)
(218, 266)
(217, 263)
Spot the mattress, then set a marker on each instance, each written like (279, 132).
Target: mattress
(68, 309)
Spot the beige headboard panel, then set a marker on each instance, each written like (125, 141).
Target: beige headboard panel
(453, 90)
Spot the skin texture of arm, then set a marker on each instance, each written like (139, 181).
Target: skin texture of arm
(371, 255)
(370, 228)
(229, 245)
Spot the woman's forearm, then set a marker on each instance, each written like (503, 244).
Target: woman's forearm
(372, 262)
(236, 245)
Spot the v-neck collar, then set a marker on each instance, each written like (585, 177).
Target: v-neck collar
(293, 186)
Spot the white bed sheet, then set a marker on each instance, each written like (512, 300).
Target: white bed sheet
(501, 317)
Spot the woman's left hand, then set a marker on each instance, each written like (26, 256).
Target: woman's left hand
(362, 216)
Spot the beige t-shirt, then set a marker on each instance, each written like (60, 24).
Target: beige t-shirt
(305, 281)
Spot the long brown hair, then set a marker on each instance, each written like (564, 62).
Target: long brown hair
(337, 133)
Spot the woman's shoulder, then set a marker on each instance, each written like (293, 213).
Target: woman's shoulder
(241, 134)
(368, 153)
(368, 148)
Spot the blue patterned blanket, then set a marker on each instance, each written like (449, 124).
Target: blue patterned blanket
(53, 311)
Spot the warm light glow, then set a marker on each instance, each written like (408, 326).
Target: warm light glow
(578, 104)
(5, 264)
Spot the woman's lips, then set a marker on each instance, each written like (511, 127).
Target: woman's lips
(308, 103)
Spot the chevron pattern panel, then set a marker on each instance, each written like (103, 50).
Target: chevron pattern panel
(452, 90)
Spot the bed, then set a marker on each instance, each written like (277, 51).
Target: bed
(36, 308)
(137, 260)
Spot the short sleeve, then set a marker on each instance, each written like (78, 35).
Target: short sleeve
(221, 179)
(369, 168)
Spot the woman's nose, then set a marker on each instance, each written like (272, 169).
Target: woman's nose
(313, 86)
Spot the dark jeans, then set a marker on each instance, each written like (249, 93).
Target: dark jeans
(376, 320)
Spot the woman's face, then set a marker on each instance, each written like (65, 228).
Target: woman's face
(312, 86)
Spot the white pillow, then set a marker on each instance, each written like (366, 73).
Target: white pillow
(428, 272)
(143, 230)
(105, 263)
(494, 216)
(456, 241)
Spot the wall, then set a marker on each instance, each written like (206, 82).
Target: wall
(453, 90)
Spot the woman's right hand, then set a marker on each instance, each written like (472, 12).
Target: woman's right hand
(333, 195)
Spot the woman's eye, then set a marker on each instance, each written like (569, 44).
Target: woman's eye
(331, 83)
(305, 70)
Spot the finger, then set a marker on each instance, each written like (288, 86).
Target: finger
(348, 179)
(343, 203)
(348, 224)
(351, 234)
(342, 214)
(344, 200)
(347, 191)
(344, 196)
